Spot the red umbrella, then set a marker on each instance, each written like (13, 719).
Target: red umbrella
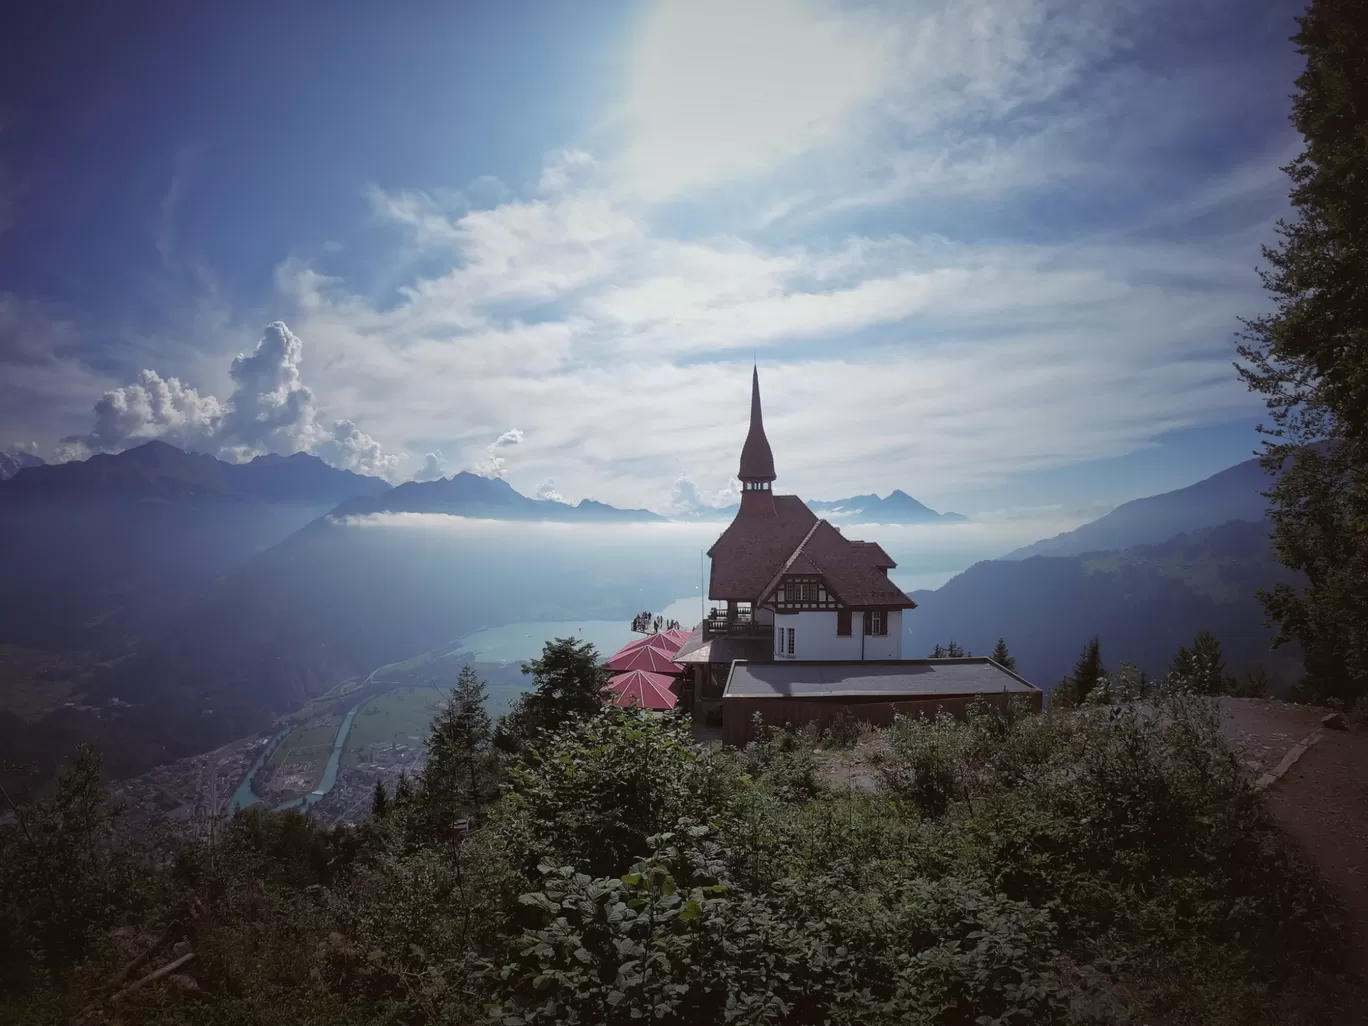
(644, 657)
(648, 690)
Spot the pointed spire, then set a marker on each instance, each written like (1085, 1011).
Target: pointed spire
(757, 461)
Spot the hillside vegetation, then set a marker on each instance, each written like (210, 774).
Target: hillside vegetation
(1102, 865)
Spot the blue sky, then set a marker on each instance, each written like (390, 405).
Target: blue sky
(992, 253)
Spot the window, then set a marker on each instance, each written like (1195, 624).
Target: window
(876, 622)
(804, 591)
(788, 646)
(843, 623)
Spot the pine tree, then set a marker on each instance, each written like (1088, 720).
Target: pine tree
(1001, 656)
(1309, 359)
(1088, 671)
(379, 801)
(403, 791)
(567, 681)
(461, 774)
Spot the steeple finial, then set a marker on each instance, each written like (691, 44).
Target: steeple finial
(757, 461)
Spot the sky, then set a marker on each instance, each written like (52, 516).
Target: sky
(994, 254)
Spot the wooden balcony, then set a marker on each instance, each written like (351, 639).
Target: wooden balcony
(718, 625)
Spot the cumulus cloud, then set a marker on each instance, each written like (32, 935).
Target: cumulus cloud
(687, 497)
(270, 410)
(434, 467)
(494, 463)
(547, 490)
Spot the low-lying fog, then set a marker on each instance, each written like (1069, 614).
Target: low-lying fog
(928, 555)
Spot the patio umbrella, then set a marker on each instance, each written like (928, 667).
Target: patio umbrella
(645, 657)
(648, 690)
(665, 641)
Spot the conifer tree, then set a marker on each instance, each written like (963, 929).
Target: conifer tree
(1088, 671)
(403, 791)
(379, 801)
(568, 682)
(1001, 656)
(461, 774)
(1309, 359)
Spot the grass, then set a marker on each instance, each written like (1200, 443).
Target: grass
(400, 715)
(309, 744)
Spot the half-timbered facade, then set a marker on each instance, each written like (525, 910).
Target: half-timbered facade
(785, 584)
(805, 620)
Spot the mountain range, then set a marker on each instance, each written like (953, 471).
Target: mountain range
(13, 462)
(1232, 494)
(895, 508)
(210, 597)
(1142, 602)
(470, 495)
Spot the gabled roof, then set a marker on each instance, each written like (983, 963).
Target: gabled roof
(854, 571)
(754, 545)
(880, 557)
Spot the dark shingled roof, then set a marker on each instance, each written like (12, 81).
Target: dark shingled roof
(757, 461)
(853, 570)
(880, 557)
(903, 678)
(754, 545)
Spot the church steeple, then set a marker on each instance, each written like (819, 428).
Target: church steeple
(757, 461)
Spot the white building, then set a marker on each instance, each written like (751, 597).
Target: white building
(789, 588)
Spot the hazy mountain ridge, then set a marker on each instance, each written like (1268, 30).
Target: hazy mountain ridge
(896, 508)
(13, 462)
(1232, 494)
(467, 494)
(101, 549)
(1143, 602)
(156, 470)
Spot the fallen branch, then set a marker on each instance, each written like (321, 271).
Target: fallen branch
(152, 977)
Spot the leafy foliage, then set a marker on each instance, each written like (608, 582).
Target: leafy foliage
(1309, 360)
(567, 682)
(1008, 868)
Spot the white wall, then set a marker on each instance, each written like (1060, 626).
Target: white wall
(815, 637)
(878, 646)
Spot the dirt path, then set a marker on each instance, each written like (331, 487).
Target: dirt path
(1322, 802)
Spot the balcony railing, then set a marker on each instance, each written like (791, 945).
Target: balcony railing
(718, 624)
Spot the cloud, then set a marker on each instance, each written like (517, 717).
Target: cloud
(270, 410)
(547, 490)
(494, 462)
(920, 218)
(722, 91)
(186, 160)
(434, 467)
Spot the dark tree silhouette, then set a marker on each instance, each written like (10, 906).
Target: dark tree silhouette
(1309, 359)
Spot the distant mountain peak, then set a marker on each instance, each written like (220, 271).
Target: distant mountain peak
(13, 462)
(1231, 494)
(158, 470)
(897, 508)
(468, 494)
